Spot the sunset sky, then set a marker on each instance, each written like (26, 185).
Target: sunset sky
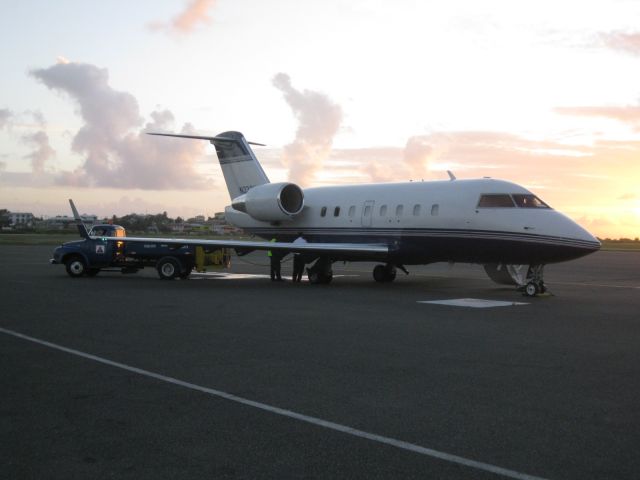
(542, 93)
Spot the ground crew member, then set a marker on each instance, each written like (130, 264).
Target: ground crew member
(298, 260)
(274, 257)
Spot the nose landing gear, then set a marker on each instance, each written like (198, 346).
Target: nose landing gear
(535, 282)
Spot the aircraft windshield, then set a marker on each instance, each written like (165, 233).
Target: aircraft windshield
(495, 201)
(529, 201)
(503, 200)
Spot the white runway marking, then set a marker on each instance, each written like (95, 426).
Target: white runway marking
(287, 413)
(241, 276)
(473, 303)
(635, 287)
(226, 275)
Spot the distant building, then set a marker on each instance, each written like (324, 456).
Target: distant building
(220, 226)
(21, 219)
(63, 222)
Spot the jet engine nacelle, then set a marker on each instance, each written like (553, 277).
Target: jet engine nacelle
(271, 202)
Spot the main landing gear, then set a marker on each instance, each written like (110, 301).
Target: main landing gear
(320, 272)
(384, 273)
(387, 273)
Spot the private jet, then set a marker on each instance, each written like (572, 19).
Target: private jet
(498, 224)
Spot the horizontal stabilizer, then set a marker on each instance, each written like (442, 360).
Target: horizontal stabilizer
(202, 137)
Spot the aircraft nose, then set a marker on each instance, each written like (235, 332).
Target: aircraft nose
(582, 237)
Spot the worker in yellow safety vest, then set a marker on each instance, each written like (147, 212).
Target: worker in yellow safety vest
(275, 257)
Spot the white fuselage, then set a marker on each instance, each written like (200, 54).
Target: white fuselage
(431, 221)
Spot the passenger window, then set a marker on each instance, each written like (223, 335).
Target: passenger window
(352, 210)
(336, 212)
(529, 201)
(399, 209)
(495, 201)
(434, 209)
(416, 210)
(383, 211)
(323, 211)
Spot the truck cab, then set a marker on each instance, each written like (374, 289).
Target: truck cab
(92, 253)
(107, 231)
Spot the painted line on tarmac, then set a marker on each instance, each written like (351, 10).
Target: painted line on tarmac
(242, 276)
(473, 303)
(635, 287)
(429, 452)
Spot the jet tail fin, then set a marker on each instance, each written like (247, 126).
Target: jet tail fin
(240, 167)
(82, 229)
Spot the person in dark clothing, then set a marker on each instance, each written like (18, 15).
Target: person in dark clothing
(298, 260)
(275, 258)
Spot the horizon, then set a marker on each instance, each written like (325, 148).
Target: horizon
(530, 93)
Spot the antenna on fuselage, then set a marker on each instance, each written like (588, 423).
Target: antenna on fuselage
(452, 177)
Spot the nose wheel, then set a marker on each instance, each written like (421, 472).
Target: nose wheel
(535, 282)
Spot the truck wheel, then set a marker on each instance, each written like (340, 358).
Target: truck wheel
(168, 268)
(76, 266)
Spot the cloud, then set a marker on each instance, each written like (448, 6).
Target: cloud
(319, 119)
(397, 164)
(42, 151)
(117, 152)
(5, 117)
(39, 139)
(477, 154)
(622, 41)
(628, 196)
(629, 114)
(196, 12)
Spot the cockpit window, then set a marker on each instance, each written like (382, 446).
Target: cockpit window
(529, 201)
(495, 200)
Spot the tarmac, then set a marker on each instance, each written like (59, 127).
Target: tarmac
(232, 376)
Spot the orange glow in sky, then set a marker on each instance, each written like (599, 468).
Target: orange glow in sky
(542, 93)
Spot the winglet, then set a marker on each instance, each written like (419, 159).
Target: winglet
(82, 229)
(452, 177)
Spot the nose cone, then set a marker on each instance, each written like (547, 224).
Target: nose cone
(579, 237)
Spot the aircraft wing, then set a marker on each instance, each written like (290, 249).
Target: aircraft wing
(363, 249)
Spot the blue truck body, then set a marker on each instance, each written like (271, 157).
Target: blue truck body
(102, 249)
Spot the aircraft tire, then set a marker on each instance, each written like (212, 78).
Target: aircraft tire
(531, 289)
(379, 273)
(168, 268)
(389, 273)
(318, 278)
(76, 266)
